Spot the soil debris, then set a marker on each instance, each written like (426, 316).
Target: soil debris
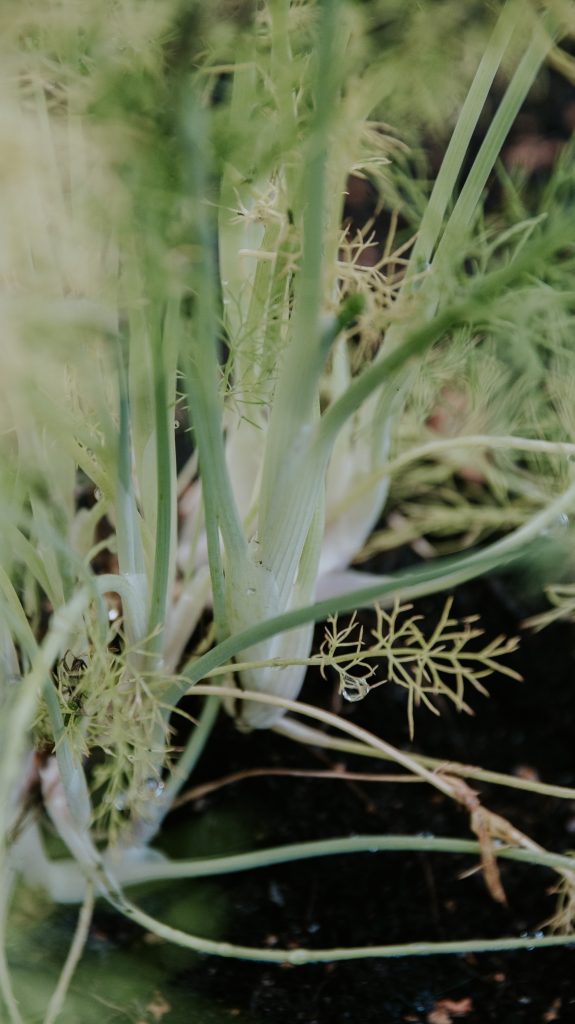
(447, 1010)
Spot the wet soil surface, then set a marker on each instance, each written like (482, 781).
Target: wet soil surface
(366, 899)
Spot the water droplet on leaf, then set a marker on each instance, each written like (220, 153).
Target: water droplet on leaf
(155, 787)
(353, 689)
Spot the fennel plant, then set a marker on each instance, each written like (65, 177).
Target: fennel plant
(174, 196)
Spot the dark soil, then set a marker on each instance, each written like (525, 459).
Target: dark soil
(387, 898)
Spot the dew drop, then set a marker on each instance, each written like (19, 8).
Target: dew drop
(353, 689)
(176, 424)
(250, 591)
(276, 895)
(559, 525)
(155, 787)
(532, 935)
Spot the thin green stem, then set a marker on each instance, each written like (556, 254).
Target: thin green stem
(495, 137)
(335, 721)
(296, 395)
(306, 956)
(507, 442)
(73, 958)
(217, 497)
(457, 149)
(130, 555)
(301, 733)
(352, 657)
(448, 250)
(145, 871)
(443, 783)
(202, 371)
(191, 755)
(165, 482)
(129, 542)
(297, 387)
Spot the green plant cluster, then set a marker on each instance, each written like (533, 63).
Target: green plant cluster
(176, 267)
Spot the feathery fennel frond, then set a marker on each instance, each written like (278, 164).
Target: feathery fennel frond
(561, 597)
(428, 667)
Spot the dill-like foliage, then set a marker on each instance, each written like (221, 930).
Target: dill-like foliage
(441, 664)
